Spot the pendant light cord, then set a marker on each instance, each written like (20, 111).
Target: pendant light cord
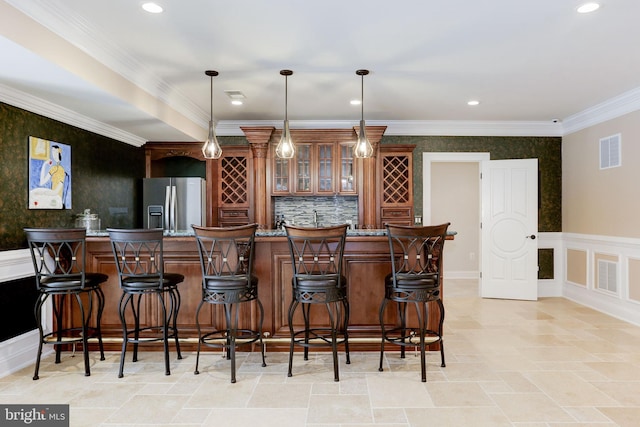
(362, 97)
(211, 99)
(286, 97)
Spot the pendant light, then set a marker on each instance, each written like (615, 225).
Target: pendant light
(363, 148)
(285, 148)
(211, 148)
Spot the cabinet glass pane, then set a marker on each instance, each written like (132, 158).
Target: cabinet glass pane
(303, 168)
(346, 169)
(325, 165)
(281, 175)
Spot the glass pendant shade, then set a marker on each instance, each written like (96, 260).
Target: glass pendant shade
(363, 148)
(211, 148)
(285, 148)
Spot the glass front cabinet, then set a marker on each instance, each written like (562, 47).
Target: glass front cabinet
(316, 169)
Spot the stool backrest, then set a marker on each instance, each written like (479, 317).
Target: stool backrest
(317, 253)
(226, 252)
(138, 254)
(416, 251)
(58, 256)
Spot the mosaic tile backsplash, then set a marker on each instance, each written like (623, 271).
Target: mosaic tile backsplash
(328, 210)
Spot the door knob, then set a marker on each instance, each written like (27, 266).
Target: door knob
(532, 237)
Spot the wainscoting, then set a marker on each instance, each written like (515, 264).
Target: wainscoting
(603, 273)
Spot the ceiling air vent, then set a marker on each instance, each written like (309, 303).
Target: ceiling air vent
(610, 156)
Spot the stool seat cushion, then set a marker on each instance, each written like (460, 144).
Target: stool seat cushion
(170, 280)
(232, 282)
(412, 281)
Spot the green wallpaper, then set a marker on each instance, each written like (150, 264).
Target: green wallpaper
(105, 176)
(548, 151)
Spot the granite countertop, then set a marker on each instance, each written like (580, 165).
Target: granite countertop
(261, 233)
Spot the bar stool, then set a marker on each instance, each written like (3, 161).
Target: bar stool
(316, 257)
(226, 257)
(58, 257)
(139, 259)
(416, 262)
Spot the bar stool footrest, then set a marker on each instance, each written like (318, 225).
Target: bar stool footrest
(318, 334)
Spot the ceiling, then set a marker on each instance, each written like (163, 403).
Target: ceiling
(537, 68)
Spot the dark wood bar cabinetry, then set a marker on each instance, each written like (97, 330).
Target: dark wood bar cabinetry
(241, 187)
(366, 263)
(242, 183)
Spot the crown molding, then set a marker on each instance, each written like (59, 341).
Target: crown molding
(48, 109)
(65, 22)
(620, 105)
(411, 127)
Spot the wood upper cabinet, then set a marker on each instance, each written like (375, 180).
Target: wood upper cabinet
(347, 182)
(234, 177)
(395, 185)
(318, 168)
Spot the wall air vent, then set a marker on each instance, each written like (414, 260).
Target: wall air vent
(610, 154)
(608, 276)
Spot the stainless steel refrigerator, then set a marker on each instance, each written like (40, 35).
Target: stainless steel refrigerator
(173, 203)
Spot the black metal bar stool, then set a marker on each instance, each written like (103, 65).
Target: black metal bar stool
(316, 257)
(226, 257)
(416, 261)
(58, 257)
(139, 259)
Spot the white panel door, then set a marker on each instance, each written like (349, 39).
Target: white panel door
(509, 228)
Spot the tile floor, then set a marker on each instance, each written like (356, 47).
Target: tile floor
(509, 363)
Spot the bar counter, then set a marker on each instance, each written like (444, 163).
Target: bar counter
(366, 263)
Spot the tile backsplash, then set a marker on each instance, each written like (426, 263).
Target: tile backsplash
(331, 210)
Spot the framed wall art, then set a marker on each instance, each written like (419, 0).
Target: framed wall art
(49, 174)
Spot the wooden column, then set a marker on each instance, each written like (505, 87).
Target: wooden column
(368, 193)
(258, 138)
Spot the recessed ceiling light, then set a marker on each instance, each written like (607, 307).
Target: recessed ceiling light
(473, 102)
(355, 102)
(152, 7)
(588, 7)
(235, 95)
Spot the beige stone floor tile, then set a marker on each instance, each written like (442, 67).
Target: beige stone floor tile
(220, 393)
(339, 409)
(454, 417)
(263, 417)
(549, 363)
(530, 407)
(280, 396)
(567, 389)
(394, 391)
(148, 409)
(88, 416)
(461, 394)
(624, 417)
(617, 371)
(391, 416)
(587, 415)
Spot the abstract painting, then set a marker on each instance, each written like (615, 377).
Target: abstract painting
(49, 174)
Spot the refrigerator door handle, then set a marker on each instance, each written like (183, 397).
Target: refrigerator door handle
(167, 207)
(174, 208)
